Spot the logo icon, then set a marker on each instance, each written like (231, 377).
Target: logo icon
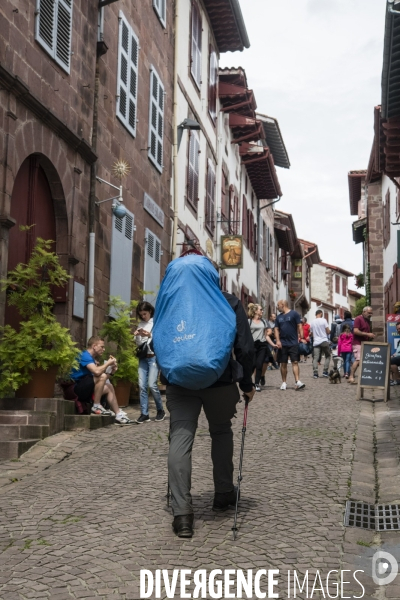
(181, 327)
(384, 568)
(375, 349)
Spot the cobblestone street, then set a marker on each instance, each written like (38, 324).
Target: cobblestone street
(83, 512)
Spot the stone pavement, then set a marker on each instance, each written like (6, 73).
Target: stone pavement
(83, 512)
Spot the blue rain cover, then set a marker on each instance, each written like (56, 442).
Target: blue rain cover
(194, 325)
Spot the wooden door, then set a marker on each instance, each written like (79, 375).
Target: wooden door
(31, 205)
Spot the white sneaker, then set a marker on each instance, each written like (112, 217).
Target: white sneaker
(283, 386)
(98, 409)
(299, 385)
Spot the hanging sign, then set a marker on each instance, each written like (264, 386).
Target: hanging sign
(231, 251)
(298, 268)
(392, 335)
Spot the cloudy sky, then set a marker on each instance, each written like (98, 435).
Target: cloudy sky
(316, 66)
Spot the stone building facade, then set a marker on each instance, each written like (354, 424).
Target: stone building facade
(64, 78)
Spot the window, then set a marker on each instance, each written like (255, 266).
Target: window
(53, 29)
(156, 120)
(337, 284)
(193, 169)
(127, 79)
(195, 54)
(236, 214)
(121, 245)
(271, 253)
(152, 260)
(344, 286)
(212, 85)
(210, 197)
(223, 281)
(231, 209)
(283, 266)
(160, 8)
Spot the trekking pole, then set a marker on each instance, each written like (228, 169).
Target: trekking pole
(168, 495)
(234, 528)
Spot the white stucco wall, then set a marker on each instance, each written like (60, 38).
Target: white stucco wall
(390, 252)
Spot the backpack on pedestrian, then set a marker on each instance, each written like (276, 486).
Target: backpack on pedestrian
(336, 333)
(194, 325)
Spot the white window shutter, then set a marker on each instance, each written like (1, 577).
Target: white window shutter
(156, 120)
(63, 34)
(196, 44)
(121, 257)
(261, 234)
(160, 8)
(44, 26)
(127, 77)
(152, 264)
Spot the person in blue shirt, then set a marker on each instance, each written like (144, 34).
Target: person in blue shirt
(92, 380)
(288, 331)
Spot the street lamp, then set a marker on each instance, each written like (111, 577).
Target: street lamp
(190, 124)
(117, 206)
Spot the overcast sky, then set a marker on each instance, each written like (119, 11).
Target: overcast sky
(315, 65)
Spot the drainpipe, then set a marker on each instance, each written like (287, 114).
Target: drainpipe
(175, 137)
(258, 251)
(92, 221)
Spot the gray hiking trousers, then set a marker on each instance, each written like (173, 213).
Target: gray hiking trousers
(184, 406)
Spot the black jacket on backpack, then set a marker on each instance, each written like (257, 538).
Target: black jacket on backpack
(243, 348)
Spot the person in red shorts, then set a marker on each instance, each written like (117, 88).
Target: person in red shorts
(362, 333)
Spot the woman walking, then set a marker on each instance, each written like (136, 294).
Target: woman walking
(259, 331)
(345, 348)
(148, 368)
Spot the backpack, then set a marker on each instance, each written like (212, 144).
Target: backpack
(194, 325)
(336, 333)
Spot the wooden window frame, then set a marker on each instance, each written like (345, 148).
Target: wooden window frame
(196, 30)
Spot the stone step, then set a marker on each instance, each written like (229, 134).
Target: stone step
(86, 421)
(38, 404)
(23, 432)
(26, 417)
(14, 448)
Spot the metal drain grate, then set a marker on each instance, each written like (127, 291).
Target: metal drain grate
(379, 517)
(359, 514)
(388, 516)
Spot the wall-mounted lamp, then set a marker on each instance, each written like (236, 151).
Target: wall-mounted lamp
(285, 272)
(117, 206)
(190, 124)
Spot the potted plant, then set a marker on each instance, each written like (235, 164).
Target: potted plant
(292, 294)
(359, 280)
(32, 356)
(118, 333)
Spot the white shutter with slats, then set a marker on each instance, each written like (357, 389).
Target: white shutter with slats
(121, 257)
(152, 263)
(156, 120)
(63, 33)
(196, 31)
(53, 29)
(160, 8)
(127, 80)
(193, 170)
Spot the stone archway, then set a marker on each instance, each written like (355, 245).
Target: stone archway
(37, 201)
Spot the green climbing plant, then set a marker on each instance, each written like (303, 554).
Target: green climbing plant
(118, 334)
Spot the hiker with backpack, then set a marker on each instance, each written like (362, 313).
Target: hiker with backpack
(260, 332)
(336, 329)
(196, 327)
(148, 367)
(320, 332)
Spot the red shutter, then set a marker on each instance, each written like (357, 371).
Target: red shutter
(212, 85)
(236, 215)
(244, 219)
(210, 196)
(193, 169)
(344, 287)
(195, 67)
(337, 284)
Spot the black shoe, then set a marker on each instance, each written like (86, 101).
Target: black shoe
(325, 374)
(183, 526)
(262, 380)
(160, 415)
(223, 501)
(257, 388)
(276, 365)
(315, 375)
(143, 419)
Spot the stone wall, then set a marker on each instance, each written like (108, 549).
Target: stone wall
(375, 258)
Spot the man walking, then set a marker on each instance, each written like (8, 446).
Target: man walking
(288, 330)
(362, 333)
(320, 332)
(219, 403)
